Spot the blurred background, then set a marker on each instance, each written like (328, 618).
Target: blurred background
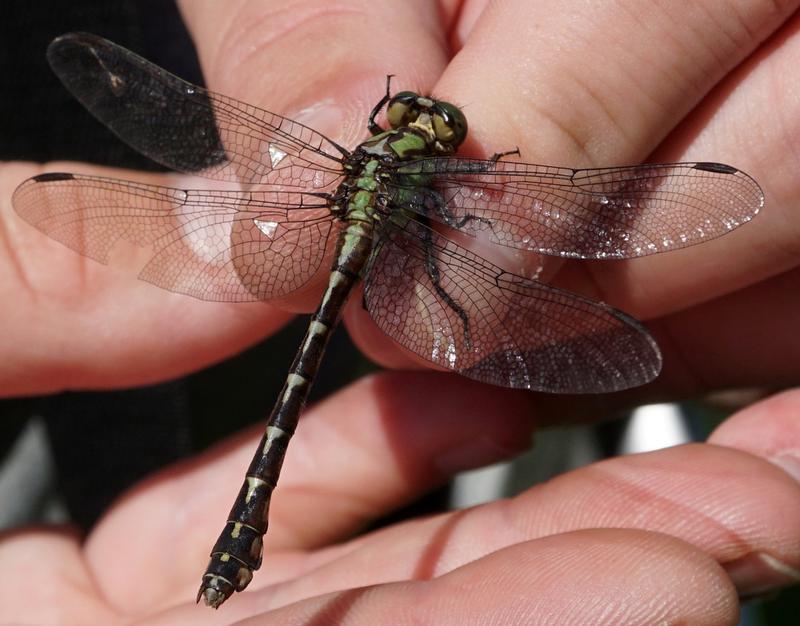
(65, 458)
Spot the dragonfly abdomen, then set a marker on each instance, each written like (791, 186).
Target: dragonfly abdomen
(238, 551)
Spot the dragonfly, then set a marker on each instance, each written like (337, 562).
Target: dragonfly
(398, 213)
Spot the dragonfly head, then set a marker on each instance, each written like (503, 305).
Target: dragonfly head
(443, 123)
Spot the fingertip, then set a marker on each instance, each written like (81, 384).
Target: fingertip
(768, 429)
(773, 419)
(292, 56)
(620, 577)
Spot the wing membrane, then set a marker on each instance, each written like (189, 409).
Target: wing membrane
(183, 126)
(520, 333)
(213, 245)
(613, 213)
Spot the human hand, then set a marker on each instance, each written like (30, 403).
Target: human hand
(703, 304)
(699, 301)
(591, 84)
(664, 537)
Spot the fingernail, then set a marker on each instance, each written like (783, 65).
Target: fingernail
(758, 573)
(788, 462)
(325, 116)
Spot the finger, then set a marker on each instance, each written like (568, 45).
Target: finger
(728, 126)
(767, 429)
(589, 577)
(318, 72)
(387, 449)
(739, 509)
(308, 58)
(724, 125)
(562, 108)
(356, 456)
(69, 311)
(50, 582)
(747, 338)
(564, 104)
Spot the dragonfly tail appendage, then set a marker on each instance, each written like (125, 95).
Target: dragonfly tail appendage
(238, 551)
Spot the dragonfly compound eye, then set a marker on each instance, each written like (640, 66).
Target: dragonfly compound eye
(402, 109)
(449, 124)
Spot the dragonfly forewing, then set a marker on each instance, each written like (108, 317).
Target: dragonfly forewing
(185, 127)
(601, 213)
(232, 246)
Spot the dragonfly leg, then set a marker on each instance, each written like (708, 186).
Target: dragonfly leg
(480, 166)
(373, 126)
(434, 201)
(432, 269)
(499, 155)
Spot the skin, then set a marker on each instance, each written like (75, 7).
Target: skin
(672, 536)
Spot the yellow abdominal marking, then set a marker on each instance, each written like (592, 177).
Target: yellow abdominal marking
(253, 483)
(273, 434)
(318, 328)
(292, 382)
